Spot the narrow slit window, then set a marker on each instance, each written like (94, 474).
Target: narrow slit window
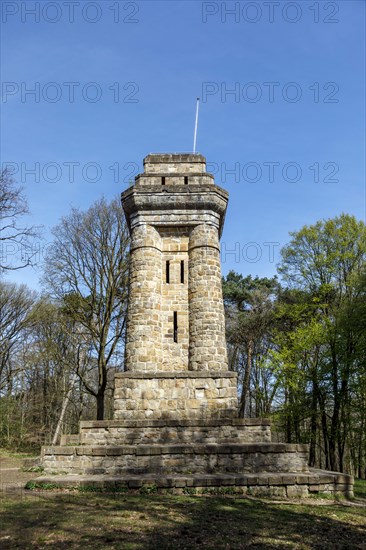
(167, 271)
(175, 326)
(182, 271)
(163, 180)
(185, 180)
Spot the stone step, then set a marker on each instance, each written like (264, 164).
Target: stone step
(136, 432)
(149, 423)
(166, 459)
(293, 484)
(70, 439)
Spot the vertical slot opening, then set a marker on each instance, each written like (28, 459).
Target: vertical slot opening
(182, 271)
(185, 180)
(163, 180)
(167, 271)
(175, 326)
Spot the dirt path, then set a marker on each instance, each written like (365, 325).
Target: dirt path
(13, 476)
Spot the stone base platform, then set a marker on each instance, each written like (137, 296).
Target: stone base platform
(181, 395)
(144, 432)
(282, 485)
(204, 456)
(175, 459)
(200, 453)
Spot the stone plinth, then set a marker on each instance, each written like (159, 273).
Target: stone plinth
(172, 432)
(176, 459)
(181, 395)
(263, 484)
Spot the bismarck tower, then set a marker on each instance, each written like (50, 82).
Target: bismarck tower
(175, 346)
(176, 419)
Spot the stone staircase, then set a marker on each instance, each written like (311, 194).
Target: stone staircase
(186, 456)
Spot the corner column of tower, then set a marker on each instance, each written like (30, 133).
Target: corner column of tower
(143, 342)
(207, 346)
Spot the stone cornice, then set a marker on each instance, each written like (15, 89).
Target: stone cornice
(182, 200)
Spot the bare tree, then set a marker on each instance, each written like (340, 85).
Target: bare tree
(15, 237)
(87, 267)
(44, 370)
(16, 304)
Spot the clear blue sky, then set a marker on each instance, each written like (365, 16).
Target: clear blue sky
(159, 56)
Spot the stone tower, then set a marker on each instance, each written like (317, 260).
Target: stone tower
(175, 344)
(175, 407)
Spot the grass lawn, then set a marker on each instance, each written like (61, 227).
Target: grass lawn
(8, 454)
(55, 519)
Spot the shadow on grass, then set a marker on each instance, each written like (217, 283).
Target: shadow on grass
(163, 522)
(360, 489)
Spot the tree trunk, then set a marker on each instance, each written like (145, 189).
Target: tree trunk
(102, 368)
(313, 428)
(246, 380)
(325, 431)
(100, 406)
(334, 425)
(361, 446)
(63, 410)
(288, 428)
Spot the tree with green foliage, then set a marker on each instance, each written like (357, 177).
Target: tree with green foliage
(249, 309)
(326, 261)
(299, 337)
(352, 331)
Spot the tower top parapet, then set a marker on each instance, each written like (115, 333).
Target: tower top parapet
(175, 190)
(174, 163)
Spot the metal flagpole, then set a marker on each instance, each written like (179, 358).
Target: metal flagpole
(195, 126)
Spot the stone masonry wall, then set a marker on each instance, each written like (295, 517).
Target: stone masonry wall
(144, 327)
(144, 432)
(207, 345)
(174, 298)
(174, 163)
(176, 179)
(175, 396)
(165, 459)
